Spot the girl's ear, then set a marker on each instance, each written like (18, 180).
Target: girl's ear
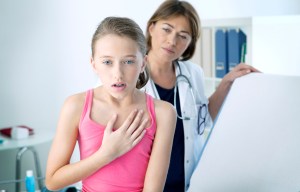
(145, 60)
(92, 61)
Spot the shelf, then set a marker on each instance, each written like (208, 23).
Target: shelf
(205, 50)
(273, 43)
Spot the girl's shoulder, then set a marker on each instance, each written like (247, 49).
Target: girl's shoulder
(165, 117)
(76, 98)
(75, 103)
(163, 108)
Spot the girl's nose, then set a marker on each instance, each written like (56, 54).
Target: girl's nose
(118, 72)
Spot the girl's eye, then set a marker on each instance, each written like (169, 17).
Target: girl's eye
(129, 62)
(106, 62)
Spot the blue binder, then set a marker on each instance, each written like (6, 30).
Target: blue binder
(221, 61)
(236, 43)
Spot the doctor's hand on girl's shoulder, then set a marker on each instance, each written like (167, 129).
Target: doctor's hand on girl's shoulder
(239, 71)
(117, 143)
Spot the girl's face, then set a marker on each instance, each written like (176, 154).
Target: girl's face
(170, 37)
(118, 62)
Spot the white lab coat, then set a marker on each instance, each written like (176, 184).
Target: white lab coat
(193, 141)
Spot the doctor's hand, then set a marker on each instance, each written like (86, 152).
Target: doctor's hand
(118, 142)
(240, 70)
(217, 98)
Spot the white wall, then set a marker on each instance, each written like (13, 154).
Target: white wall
(45, 50)
(276, 44)
(244, 8)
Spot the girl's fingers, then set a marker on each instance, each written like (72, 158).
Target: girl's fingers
(136, 122)
(139, 131)
(128, 121)
(139, 138)
(110, 124)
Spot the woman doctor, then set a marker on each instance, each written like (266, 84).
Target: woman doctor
(172, 33)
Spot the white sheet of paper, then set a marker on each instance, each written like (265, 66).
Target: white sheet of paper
(255, 142)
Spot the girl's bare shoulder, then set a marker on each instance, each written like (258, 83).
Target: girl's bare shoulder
(163, 108)
(75, 103)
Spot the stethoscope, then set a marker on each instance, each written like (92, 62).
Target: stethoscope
(199, 111)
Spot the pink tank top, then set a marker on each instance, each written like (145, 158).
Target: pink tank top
(126, 173)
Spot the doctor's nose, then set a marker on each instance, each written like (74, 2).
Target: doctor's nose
(172, 39)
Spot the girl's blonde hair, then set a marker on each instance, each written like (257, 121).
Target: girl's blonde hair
(123, 27)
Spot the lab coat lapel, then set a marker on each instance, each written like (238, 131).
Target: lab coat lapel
(151, 89)
(182, 87)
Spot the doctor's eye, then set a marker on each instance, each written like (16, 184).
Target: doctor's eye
(184, 37)
(166, 29)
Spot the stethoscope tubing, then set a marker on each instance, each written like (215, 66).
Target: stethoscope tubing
(190, 87)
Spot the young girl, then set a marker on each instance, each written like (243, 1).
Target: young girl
(124, 135)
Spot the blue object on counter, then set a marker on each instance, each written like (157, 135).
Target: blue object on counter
(29, 181)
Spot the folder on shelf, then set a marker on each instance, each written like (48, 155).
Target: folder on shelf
(221, 62)
(237, 40)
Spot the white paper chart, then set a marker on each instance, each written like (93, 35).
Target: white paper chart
(255, 142)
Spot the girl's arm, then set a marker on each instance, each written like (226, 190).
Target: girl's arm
(160, 156)
(63, 145)
(60, 173)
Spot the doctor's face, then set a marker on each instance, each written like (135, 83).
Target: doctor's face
(170, 37)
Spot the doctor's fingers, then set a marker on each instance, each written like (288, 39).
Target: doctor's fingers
(239, 71)
(245, 67)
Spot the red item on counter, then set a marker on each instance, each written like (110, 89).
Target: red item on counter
(7, 130)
